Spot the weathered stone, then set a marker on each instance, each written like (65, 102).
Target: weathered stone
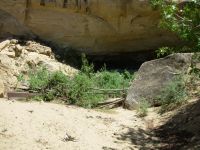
(53, 66)
(18, 50)
(2, 89)
(38, 48)
(92, 26)
(18, 47)
(22, 61)
(13, 41)
(154, 75)
(10, 54)
(6, 61)
(8, 71)
(3, 44)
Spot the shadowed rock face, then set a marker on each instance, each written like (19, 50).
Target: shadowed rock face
(93, 26)
(9, 25)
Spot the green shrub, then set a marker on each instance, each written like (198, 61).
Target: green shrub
(173, 95)
(59, 84)
(164, 51)
(50, 85)
(81, 89)
(109, 80)
(113, 80)
(20, 78)
(143, 108)
(82, 93)
(38, 79)
(86, 67)
(78, 91)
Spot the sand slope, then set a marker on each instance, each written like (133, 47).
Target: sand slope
(39, 126)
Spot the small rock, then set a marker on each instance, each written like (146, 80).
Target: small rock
(13, 41)
(88, 117)
(18, 50)
(68, 138)
(31, 111)
(10, 54)
(4, 44)
(2, 89)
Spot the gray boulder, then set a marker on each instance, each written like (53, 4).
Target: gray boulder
(154, 75)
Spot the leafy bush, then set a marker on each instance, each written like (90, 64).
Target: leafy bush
(50, 85)
(143, 108)
(86, 68)
(39, 79)
(173, 95)
(81, 89)
(78, 91)
(163, 51)
(58, 82)
(109, 80)
(183, 19)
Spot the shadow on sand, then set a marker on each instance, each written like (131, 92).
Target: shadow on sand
(181, 132)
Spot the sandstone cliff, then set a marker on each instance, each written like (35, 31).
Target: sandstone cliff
(93, 26)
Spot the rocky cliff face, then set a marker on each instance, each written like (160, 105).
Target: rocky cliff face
(17, 59)
(93, 26)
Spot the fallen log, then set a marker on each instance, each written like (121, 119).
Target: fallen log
(97, 89)
(112, 103)
(26, 95)
(24, 89)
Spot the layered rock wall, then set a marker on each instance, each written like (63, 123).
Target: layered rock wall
(93, 26)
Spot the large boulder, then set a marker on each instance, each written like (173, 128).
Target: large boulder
(154, 75)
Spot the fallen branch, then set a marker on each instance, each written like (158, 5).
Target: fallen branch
(111, 103)
(96, 89)
(21, 95)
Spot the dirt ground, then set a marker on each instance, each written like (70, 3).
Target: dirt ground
(41, 126)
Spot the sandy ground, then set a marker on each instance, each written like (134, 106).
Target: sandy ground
(41, 126)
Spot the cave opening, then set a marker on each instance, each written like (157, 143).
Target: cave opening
(130, 61)
(119, 61)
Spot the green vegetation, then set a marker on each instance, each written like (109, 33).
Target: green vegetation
(50, 85)
(173, 95)
(183, 19)
(143, 108)
(20, 78)
(82, 89)
(39, 79)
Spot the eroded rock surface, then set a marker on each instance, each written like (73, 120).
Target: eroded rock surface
(92, 26)
(17, 59)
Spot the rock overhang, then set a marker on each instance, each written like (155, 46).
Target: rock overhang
(92, 26)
